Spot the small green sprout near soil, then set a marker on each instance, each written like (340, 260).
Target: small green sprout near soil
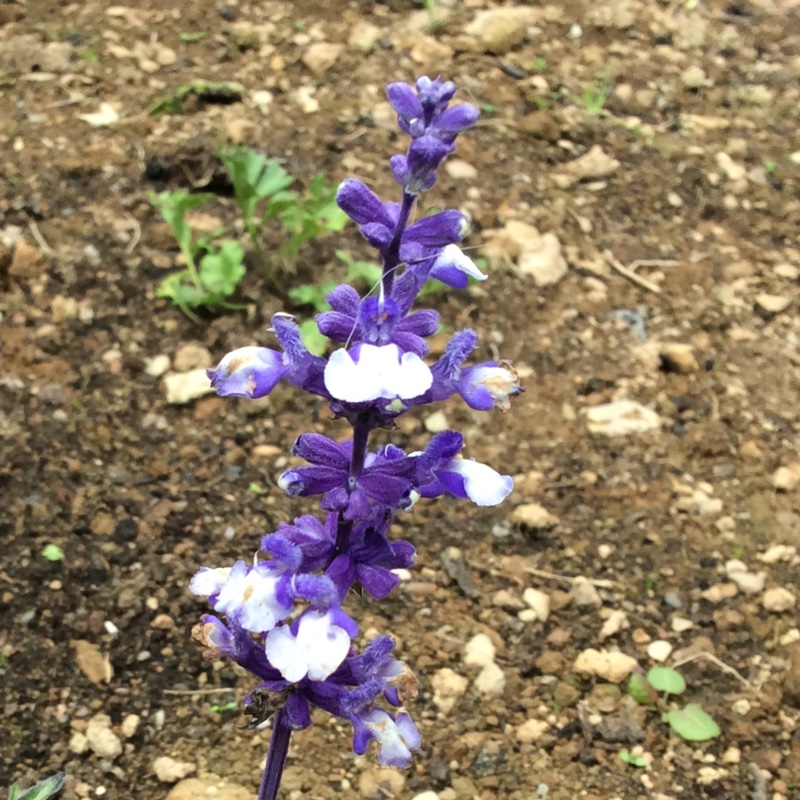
(52, 552)
(214, 263)
(691, 722)
(44, 789)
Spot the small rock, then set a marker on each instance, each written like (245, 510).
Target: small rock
(364, 36)
(659, 650)
(592, 165)
(208, 788)
(787, 478)
(491, 681)
(239, 129)
(183, 387)
(78, 743)
(621, 418)
(429, 795)
(566, 694)
(742, 707)
(733, 755)
(459, 169)
(130, 725)
(531, 731)
(612, 666)
(102, 740)
(436, 422)
(479, 650)
(321, 56)
(191, 356)
(534, 254)
(539, 602)
(500, 29)
(448, 688)
(156, 366)
(377, 783)
(533, 516)
(778, 552)
(694, 77)
(681, 624)
(163, 622)
(584, 594)
(617, 620)
(24, 261)
(678, 357)
(769, 304)
(778, 600)
(168, 770)
(750, 582)
(719, 592)
(551, 662)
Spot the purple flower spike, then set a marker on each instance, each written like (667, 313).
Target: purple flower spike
(396, 736)
(248, 372)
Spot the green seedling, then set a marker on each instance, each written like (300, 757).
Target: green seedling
(691, 723)
(596, 93)
(256, 488)
(52, 552)
(629, 758)
(212, 271)
(539, 64)
(769, 166)
(44, 789)
(232, 706)
(193, 37)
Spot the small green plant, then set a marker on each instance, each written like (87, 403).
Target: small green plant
(44, 789)
(691, 722)
(596, 93)
(193, 37)
(630, 758)
(539, 64)
(52, 552)
(769, 166)
(232, 706)
(212, 270)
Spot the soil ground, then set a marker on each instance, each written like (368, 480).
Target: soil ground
(700, 171)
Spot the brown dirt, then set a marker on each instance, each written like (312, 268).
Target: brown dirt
(139, 493)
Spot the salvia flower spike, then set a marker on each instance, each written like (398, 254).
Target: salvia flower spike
(281, 616)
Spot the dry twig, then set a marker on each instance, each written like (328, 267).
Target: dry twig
(629, 273)
(721, 664)
(40, 240)
(602, 583)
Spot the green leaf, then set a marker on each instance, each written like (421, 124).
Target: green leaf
(173, 207)
(14, 792)
(629, 758)
(44, 789)
(254, 178)
(225, 707)
(256, 488)
(693, 724)
(641, 691)
(360, 270)
(314, 341)
(192, 37)
(222, 270)
(667, 680)
(309, 295)
(52, 552)
(182, 294)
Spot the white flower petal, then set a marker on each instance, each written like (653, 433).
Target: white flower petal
(381, 372)
(250, 597)
(483, 485)
(209, 581)
(453, 256)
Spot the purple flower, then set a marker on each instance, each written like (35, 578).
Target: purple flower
(396, 736)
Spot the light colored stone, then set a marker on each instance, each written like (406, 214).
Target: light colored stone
(534, 516)
(679, 357)
(778, 552)
(156, 366)
(78, 743)
(531, 731)
(377, 783)
(742, 707)
(364, 36)
(612, 666)
(183, 387)
(500, 29)
(321, 56)
(659, 650)
(168, 770)
(436, 422)
(539, 602)
(694, 77)
(534, 254)
(192, 356)
(617, 621)
(595, 163)
(479, 650)
(491, 681)
(102, 740)
(448, 688)
(719, 592)
(429, 795)
(208, 787)
(750, 582)
(584, 593)
(621, 418)
(787, 478)
(733, 755)
(778, 600)
(773, 303)
(130, 725)
(733, 171)
(458, 169)
(681, 624)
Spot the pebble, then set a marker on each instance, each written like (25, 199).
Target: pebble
(364, 37)
(584, 593)
(429, 795)
(778, 600)
(679, 358)
(750, 582)
(539, 603)
(78, 743)
(436, 422)
(681, 624)
(694, 77)
(531, 731)
(191, 356)
(733, 755)
(612, 666)
(659, 650)
(491, 681)
(595, 163)
(130, 725)
(500, 29)
(208, 788)
(617, 621)
(533, 516)
(769, 304)
(321, 56)
(479, 651)
(168, 770)
(377, 783)
(448, 688)
(742, 707)
(102, 740)
(458, 169)
(543, 261)
(719, 592)
(787, 478)
(183, 387)
(621, 418)
(778, 552)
